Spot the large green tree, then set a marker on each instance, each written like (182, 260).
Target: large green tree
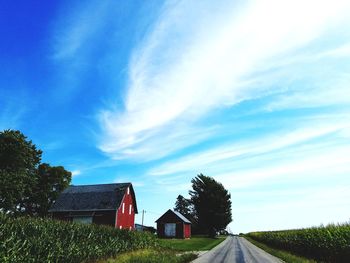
(19, 159)
(212, 204)
(50, 182)
(26, 186)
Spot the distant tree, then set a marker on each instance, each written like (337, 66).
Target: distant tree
(183, 206)
(26, 186)
(212, 204)
(19, 160)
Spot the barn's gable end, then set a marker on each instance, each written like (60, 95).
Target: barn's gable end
(101, 203)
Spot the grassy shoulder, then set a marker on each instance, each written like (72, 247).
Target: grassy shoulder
(195, 243)
(169, 251)
(285, 256)
(152, 256)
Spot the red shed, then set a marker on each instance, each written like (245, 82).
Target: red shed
(105, 204)
(172, 224)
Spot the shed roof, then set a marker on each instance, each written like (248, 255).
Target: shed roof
(92, 197)
(177, 214)
(183, 218)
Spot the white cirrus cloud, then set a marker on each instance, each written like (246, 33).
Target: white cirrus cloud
(303, 135)
(200, 56)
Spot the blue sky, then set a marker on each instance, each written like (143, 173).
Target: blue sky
(255, 94)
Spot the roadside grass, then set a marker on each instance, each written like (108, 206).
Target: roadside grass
(195, 243)
(152, 256)
(284, 255)
(169, 251)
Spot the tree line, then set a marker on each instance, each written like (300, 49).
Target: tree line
(27, 186)
(208, 208)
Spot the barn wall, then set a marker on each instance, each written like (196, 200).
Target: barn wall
(104, 218)
(63, 216)
(179, 230)
(126, 219)
(160, 230)
(99, 217)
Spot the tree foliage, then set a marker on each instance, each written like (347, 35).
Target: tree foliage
(50, 182)
(183, 206)
(19, 160)
(212, 204)
(26, 186)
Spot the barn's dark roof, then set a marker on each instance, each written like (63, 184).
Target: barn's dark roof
(92, 197)
(177, 214)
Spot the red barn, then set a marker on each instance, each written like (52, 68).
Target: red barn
(172, 224)
(104, 204)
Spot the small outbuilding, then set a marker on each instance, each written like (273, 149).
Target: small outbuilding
(172, 224)
(104, 204)
(142, 228)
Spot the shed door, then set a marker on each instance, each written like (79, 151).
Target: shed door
(170, 230)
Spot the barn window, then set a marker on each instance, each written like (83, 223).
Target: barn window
(123, 208)
(129, 209)
(128, 191)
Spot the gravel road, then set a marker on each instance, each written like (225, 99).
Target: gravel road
(236, 249)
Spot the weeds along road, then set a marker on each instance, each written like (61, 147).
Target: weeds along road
(236, 249)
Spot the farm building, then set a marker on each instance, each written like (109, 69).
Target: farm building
(172, 224)
(105, 204)
(142, 228)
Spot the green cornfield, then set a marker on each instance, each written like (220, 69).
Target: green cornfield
(45, 240)
(329, 243)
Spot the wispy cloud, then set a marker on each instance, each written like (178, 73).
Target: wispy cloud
(169, 139)
(76, 30)
(314, 155)
(76, 173)
(82, 40)
(187, 67)
(295, 169)
(306, 133)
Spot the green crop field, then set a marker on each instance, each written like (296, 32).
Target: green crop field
(325, 243)
(44, 240)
